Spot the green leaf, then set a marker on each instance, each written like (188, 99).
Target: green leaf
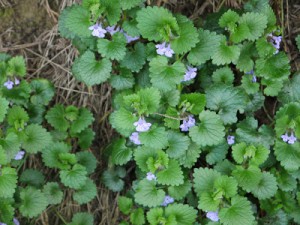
(171, 123)
(82, 219)
(128, 4)
(85, 138)
(226, 185)
(171, 98)
(75, 177)
(122, 81)
(286, 181)
(217, 153)
(239, 212)
(137, 217)
(88, 160)
(112, 10)
(225, 54)
(86, 192)
(125, 204)
(276, 67)
(120, 153)
(142, 154)
(298, 42)
(267, 186)
(32, 177)
(147, 194)
(249, 178)
(155, 215)
(43, 91)
(112, 178)
(3, 109)
(178, 144)
(248, 85)
(245, 62)
(56, 117)
(33, 202)
(90, 71)
(164, 76)
(158, 27)
(223, 75)
(8, 182)
(227, 100)
(135, 59)
(210, 131)
(205, 48)
(265, 48)
(156, 137)
(74, 21)
(17, 117)
(288, 155)
(196, 102)
(172, 175)
(53, 193)
(11, 144)
(204, 180)
(37, 138)
(114, 49)
(6, 210)
(187, 31)
(19, 94)
(84, 119)
(228, 19)
(179, 192)
(273, 87)
(184, 214)
(16, 66)
(122, 120)
(189, 157)
(290, 91)
(51, 155)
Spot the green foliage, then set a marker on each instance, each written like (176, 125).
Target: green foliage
(82, 219)
(112, 178)
(8, 182)
(53, 193)
(114, 49)
(74, 177)
(125, 204)
(135, 58)
(86, 192)
(33, 178)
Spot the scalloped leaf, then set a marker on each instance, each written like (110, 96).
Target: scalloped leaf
(204, 180)
(223, 75)
(156, 28)
(75, 177)
(112, 178)
(33, 202)
(179, 192)
(178, 144)
(43, 91)
(120, 154)
(164, 76)
(88, 160)
(86, 193)
(51, 155)
(125, 204)
(226, 54)
(56, 117)
(248, 179)
(122, 120)
(8, 182)
(83, 120)
(16, 66)
(156, 137)
(128, 4)
(3, 109)
(135, 58)
(147, 194)
(267, 186)
(82, 219)
(53, 193)
(91, 71)
(172, 175)
(210, 131)
(288, 155)
(32, 177)
(184, 214)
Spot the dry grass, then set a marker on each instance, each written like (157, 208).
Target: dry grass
(50, 56)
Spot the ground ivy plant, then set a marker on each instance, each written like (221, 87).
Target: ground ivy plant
(25, 117)
(208, 117)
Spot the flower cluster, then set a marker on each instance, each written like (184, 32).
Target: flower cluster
(187, 123)
(164, 49)
(99, 31)
(168, 200)
(190, 73)
(10, 84)
(150, 176)
(141, 126)
(289, 139)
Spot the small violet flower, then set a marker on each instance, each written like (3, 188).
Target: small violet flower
(289, 139)
(190, 74)
(187, 123)
(3, 223)
(142, 125)
(213, 216)
(275, 41)
(130, 38)
(98, 31)
(150, 176)
(164, 49)
(17, 82)
(16, 221)
(168, 200)
(134, 138)
(254, 79)
(230, 140)
(112, 29)
(9, 84)
(19, 155)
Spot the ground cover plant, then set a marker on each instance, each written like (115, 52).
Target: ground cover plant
(30, 128)
(188, 104)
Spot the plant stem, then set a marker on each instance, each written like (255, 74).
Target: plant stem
(167, 116)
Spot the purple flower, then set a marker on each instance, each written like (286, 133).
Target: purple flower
(164, 49)
(285, 137)
(9, 84)
(19, 155)
(254, 79)
(17, 82)
(142, 125)
(98, 31)
(190, 73)
(168, 200)
(134, 138)
(275, 41)
(130, 38)
(230, 140)
(112, 29)
(3, 223)
(292, 139)
(16, 221)
(187, 123)
(213, 216)
(150, 176)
